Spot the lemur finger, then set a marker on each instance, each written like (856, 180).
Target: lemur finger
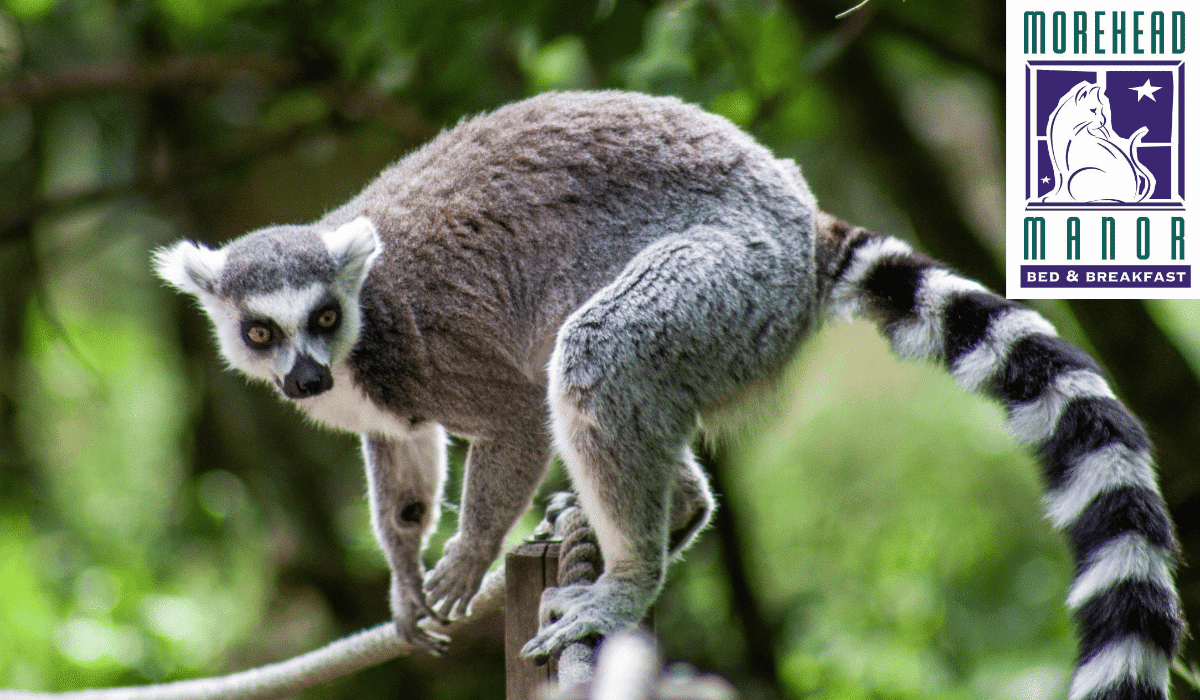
(433, 642)
(421, 637)
(460, 607)
(551, 640)
(436, 586)
(440, 583)
(427, 610)
(556, 601)
(454, 605)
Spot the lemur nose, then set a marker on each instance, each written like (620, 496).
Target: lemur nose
(307, 378)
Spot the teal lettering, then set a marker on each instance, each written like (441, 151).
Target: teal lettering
(1081, 32)
(1177, 41)
(1035, 32)
(1118, 32)
(1177, 237)
(1073, 238)
(1058, 32)
(1108, 238)
(1137, 32)
(1158, 24)
(1035, 233)
(1143, 237)
(1099, 31)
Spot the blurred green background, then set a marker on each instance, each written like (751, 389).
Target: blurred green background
(161, 519)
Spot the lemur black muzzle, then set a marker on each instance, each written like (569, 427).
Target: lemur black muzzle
(307, 378)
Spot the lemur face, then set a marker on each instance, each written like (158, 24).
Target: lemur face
(283, 300)
(290, 337)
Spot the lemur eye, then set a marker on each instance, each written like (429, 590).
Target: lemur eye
(258, 335)
(325, 320)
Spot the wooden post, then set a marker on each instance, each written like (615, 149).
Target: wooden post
(528, 570)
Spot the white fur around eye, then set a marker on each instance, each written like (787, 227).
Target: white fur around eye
(289, 307)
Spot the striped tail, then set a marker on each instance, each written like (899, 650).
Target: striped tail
(1100, 479)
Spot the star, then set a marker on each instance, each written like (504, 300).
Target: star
(1046, 181)
(1146, 90)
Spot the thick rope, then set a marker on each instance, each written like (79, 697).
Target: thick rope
(340, 658)
(579, 562)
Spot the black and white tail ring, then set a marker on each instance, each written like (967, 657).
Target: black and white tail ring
(1101, 489)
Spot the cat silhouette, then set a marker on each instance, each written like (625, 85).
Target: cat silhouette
(1091, 163)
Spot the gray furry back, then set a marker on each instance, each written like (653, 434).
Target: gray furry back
(523, 213)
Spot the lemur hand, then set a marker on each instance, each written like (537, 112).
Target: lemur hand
(409, 607)
(456, 578)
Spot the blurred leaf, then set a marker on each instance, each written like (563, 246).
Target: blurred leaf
(292, 109)
(561, 64)
(28, 9)
(738, 106)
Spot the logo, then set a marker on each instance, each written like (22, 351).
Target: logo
(1098, 126)
(1106, 134)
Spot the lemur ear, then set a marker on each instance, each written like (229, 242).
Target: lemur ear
(354, 247)
(191, 268)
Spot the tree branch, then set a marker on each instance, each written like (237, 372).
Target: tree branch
(127, 76)
(353, 104)
(757, 633)
(986, 62)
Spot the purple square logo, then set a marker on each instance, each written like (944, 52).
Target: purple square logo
(1104, 135)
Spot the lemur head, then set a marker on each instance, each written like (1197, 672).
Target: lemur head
(283, 300)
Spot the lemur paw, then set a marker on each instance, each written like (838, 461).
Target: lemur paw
(575, 613)
(422, 637)
(456, 578)
(414, 617)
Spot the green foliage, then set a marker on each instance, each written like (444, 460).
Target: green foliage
(909, 531)
(1181, 319)
(898, 537)
(28, 9)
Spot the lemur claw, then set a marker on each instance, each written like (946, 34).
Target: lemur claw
(420, 636)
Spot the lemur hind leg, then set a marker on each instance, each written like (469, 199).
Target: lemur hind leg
(692, 503)
(689, 320)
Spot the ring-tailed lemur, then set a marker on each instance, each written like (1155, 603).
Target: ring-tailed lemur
(622, 269)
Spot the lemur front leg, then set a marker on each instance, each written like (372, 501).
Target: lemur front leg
(404, 484)
(501, 475)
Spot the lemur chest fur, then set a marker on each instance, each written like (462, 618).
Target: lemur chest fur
(347, 407)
